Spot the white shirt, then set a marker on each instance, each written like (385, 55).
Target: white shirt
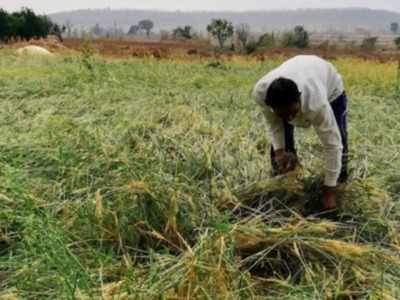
(319, 84)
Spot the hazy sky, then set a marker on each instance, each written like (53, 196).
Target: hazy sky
(47, 6)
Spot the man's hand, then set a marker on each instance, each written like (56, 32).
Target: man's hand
(286, 161)
(329, 198)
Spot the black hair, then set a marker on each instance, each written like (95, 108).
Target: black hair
(282, 92)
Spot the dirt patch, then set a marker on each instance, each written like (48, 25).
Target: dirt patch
(199, 49)
(329, 54)
(139, 48)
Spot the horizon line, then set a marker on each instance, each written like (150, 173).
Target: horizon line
(222, 11)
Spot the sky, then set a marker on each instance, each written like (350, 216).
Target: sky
(51, 6)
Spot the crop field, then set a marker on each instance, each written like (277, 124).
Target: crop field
(150, 179)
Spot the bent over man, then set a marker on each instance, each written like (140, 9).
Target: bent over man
(306, 91)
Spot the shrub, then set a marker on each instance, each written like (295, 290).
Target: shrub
(251, 47)
(221, 30)
(267, 40)
(397, 42)
(298, 38)
(369, 43)
(183, 33)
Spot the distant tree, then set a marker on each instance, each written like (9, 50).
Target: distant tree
(251, 47)
(267, 40)
(165, 35)
(134, 30)
(301, 37)
(298, 38)
(397, 42)
(369, 43)
(97, 30)
(287, 39)
(18, 24)
(29, 26)
(75, 32)
(117, 30)
(146, 25)
(184, 33)
(57, 30)
(5, 26)
(243, 34)
(394, 27)
(25, 24)
(68, 28)
(83, 33)
(220, 29)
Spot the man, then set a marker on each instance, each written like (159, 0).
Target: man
(306, 91)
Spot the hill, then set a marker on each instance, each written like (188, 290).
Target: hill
(312, 19)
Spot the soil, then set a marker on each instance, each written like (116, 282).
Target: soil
(169, 49)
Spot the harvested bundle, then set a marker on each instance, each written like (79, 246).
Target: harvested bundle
(34, 50)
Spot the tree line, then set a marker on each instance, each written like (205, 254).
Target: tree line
(221, 30)
(26, 25)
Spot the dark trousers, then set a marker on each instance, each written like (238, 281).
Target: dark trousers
(339, 107)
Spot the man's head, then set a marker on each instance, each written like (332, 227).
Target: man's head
(283, 96)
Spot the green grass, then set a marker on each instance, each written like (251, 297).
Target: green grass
(133, 179)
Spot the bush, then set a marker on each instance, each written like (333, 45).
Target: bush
(147, 26)
(165, 35)
(369, 43)
(397, 42)
(134, 30)
(183, 33)
(251, 47)
(26, 25)
(267, 40)
(243, 33)
(287, 39)
(298, 38)
(220, 29)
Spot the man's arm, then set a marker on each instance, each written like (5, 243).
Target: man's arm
(275, 125)
(276, 130)
(329, 134)
(327, 129)
(286, 161)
